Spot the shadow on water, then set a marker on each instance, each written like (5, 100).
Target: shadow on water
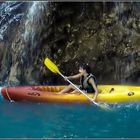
(42, 120)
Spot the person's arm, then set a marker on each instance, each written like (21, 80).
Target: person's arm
(75, 76)
(92, 82)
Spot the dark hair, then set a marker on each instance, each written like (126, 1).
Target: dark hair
(86, 67)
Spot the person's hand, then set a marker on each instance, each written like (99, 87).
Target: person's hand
(93, 99)
(65, 78)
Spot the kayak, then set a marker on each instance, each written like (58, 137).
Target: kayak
(49, 94)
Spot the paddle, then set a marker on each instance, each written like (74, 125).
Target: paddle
(52, 67)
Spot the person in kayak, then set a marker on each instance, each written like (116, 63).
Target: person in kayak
(87, 82)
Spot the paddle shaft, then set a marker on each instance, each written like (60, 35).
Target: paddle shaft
(79, 89)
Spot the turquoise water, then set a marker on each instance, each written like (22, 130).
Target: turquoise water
(32, 120)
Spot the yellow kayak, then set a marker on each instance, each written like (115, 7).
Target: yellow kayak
(107, 94)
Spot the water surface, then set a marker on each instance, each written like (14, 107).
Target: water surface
(42, 120)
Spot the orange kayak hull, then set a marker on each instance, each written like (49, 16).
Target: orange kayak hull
(41, 94)
(107, 93)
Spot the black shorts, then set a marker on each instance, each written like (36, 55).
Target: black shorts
(89, 90)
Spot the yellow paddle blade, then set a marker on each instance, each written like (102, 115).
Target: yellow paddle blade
(51, 66)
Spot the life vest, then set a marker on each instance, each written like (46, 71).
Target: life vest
(85, 82)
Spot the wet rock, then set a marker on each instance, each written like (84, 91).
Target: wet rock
(105, 35)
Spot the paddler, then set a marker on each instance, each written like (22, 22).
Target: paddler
(87, 82)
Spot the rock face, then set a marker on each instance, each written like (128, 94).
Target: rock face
(105, 35)
(11, 15)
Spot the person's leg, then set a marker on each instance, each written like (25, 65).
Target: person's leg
(76, 92)
(66, 90)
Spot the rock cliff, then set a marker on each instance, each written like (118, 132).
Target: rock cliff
(105, 35)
